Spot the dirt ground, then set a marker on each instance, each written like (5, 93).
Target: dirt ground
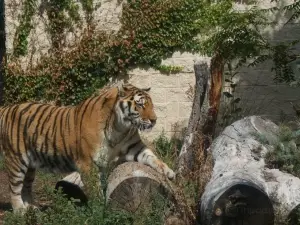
(4, 195)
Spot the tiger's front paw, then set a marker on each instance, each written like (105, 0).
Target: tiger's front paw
(169, 172)
(163, 168)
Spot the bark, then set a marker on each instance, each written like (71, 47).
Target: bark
(242, 188)
(2, 48)
(203, 118)
(186, 157)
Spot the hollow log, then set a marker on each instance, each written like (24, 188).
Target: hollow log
(242, 190)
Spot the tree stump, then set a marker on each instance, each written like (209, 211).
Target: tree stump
(132, 184)
(242, 190)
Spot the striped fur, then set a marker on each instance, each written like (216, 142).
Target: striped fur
(67, 139)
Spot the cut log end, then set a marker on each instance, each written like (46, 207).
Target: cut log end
(72, 191)
(293, 217)
(240, 202)
(132, 185)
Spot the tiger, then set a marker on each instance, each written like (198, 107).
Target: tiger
(64, 139)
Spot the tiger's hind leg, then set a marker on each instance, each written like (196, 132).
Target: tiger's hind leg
(16, 175)
(27, 187)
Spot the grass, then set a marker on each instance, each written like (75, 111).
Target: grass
(60, 210)
(167, 148)
(285, 154)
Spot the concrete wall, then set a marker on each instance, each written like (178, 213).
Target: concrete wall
(256, 88)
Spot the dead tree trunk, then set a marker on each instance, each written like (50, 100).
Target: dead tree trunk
(186, 157)
(203, 117)
(2, 48)
(242, 190)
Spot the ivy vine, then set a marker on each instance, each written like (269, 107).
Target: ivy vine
(23, 30)
(151, 30)
(59, 22)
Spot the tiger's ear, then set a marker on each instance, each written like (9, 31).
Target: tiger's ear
(127, 87)
(123, 88)
(146, 89)
(121, 92)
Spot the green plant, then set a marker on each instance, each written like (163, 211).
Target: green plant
(284, 53)
(260, 138)
(234, 35)
(62, 210)
(2, 166)
(231, 110)
(167, 148)
(169, 69)
(152, 214)
(286, 154)
(150, 31)
(23, 30)
(98, 211)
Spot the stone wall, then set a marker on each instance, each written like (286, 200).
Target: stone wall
(259, 95)
(106, 18)
(171, 93)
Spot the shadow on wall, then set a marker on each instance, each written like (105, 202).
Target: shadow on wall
(258, 93)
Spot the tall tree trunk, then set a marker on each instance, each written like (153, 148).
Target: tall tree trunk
(2, 47)
(203, 117)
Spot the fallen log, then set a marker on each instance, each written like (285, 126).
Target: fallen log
(242, 190)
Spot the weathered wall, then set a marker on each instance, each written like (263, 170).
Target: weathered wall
(259, 95)
(106, 18)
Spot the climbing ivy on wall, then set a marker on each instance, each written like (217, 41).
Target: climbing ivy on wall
(23, 30)
(151, 30)
(160, 28)
(59, 22)
(63, 16)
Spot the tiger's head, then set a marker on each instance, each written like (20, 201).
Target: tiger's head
(136, 108)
